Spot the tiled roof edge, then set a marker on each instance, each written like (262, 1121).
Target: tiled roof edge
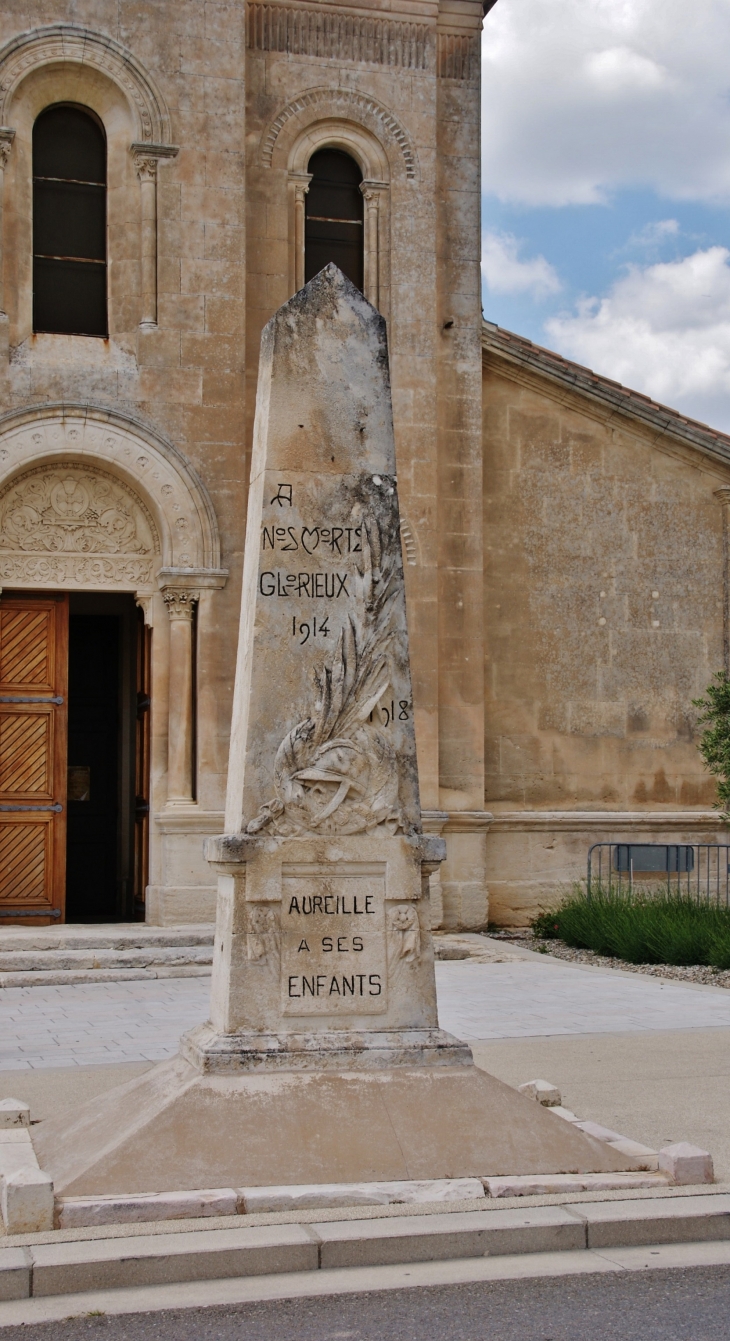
(620, 398)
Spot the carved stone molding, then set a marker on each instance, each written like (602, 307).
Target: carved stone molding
(153, 470)
(459, 56)
(319, 32)
(409, 543)
(6, 143)
(343, 103)
(63, 570)
(76, 526)
(70, 43)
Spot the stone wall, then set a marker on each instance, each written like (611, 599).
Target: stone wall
(604, 573)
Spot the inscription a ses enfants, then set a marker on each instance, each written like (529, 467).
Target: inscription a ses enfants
(333, 945)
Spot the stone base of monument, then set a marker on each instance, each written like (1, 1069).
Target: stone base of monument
(176, 1128)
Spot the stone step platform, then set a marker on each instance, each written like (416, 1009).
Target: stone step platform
(62, 1263)
(121, 952)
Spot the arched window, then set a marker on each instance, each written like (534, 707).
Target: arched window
(69, 222)
(334, 216)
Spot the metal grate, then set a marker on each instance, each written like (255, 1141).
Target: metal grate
(697, 870)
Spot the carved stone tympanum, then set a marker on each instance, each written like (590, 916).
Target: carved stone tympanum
(74, 524)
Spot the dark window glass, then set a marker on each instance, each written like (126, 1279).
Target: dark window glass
(334, 214)
(69, 222)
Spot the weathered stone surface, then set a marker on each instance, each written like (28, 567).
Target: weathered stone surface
(173, 1126)
(14, 1113)
(26, 1197)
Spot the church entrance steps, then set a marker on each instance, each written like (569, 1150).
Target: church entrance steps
(63, 1263)
(53, 956)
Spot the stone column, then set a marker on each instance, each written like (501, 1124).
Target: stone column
(180, 605)
(146, 158)
(723, 497)
(299, 185)
(371, 193)
(147, 173)
(6, 141)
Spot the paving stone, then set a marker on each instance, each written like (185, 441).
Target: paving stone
(468, 1234)
(668, 1220)
(158, 1259)
(15, 1267)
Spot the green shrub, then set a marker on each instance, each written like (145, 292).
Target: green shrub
(714, 745)
(649, 926)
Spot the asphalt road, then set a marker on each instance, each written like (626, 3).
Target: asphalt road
(690, 1305)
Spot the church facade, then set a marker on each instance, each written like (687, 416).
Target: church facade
(171, 174)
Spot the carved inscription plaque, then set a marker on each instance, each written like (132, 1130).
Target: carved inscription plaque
(333, 958)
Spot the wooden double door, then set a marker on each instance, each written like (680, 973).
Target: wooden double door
(74, 758)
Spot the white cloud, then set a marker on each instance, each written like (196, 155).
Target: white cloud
(619, 70)
(662, 329)
(655, 233)
(505, 272)
(585, 97)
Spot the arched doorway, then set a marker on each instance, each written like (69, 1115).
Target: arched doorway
(108, 541)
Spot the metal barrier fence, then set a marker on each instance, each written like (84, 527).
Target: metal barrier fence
(695, 870)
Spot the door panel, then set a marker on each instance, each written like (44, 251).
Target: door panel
(33, 733)
(93, 833)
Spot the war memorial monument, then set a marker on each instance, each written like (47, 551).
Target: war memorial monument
(322, 1061)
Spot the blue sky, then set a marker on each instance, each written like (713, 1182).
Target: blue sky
(606, 180)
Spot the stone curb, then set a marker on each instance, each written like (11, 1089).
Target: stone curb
(58, 1268)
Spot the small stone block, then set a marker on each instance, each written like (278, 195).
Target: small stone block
(14, 1113)
(543, 1091)
(333, 1195)
(534, 1185)
(545, 1184)
(27, 1201)
(77, 1212)
(686, 1164)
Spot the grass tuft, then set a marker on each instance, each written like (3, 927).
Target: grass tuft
(641, 927)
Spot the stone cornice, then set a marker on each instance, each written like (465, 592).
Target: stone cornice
(610, 398)
(603, 820)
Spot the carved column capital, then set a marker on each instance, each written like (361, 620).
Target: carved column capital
(146, 167)
(299, 181)
(722, 494)
(372, 190)
(180, 602)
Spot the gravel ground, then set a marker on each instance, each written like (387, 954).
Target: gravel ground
(559, 950)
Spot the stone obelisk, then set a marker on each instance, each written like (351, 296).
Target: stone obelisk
(322, 1061)
(323, 953)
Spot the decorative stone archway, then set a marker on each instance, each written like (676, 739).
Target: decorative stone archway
(93, 501)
